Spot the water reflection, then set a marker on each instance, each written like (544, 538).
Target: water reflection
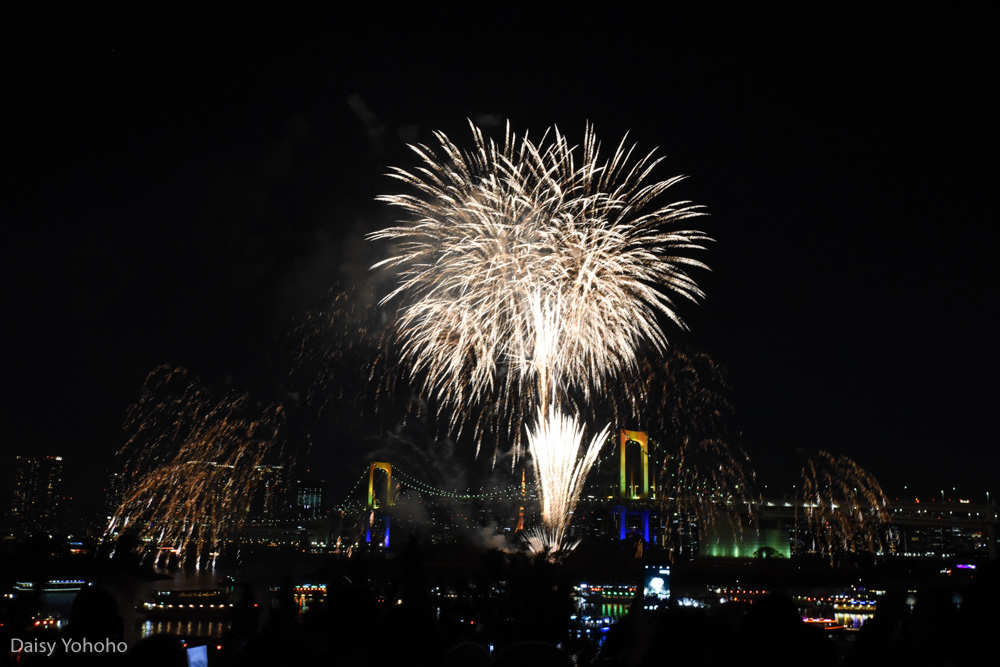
(613, 611)
(56, 605)
(185, 628)
(132, 593)
(852, 620)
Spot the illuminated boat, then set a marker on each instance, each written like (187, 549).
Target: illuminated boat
(52, 585)
(211, 603)
(824, 623)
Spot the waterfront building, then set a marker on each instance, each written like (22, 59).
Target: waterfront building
(309, 498)
(776, 528)
(114, 494)
(270, 493)
(944, 529)
(37, 504)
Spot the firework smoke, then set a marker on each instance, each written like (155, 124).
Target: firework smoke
(531, 272)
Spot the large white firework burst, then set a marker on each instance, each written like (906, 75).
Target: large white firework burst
(530, 272)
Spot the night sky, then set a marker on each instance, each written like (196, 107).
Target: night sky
(179, 190)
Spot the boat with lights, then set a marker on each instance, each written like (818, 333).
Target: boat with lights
(206, 603)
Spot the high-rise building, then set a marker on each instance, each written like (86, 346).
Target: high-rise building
(37, 502)
(114, 494)
(309, 498)
(269, 493)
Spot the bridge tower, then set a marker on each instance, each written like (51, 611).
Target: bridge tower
(628, 487)
(373, 503)
(631, 490)
(372, 500)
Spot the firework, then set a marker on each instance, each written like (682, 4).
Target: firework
(531, 272)
(542, 543)
(561, 468)
(843, 507)
(341, 356)
(195, 465)
(682, 397)
(706, 477)
(528, 273)
(705, 481)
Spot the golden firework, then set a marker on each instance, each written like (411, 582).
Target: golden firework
(529, 272)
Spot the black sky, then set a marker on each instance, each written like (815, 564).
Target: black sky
(179, 189)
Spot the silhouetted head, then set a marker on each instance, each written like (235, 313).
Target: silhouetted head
(467, 654)
(158, 651)
(771, 613)
(94, 615)
(532, 654)
(416, 636)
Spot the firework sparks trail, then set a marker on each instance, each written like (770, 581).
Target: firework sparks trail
(540, 542)
(682, 396)
(340, 357)
(531, 272)
(706, 480)
(195, 465)
(561, 468)
(844, 507)
(706, 477)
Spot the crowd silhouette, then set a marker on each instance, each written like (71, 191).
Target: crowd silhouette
(529, 625)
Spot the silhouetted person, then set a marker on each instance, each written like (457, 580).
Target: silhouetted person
(412, 636)
(629, 638)
(773, 634)
(94, 615)
(344, 628)
(875, 642)
(695, 632)
(282, 642)
(467, 654)
(532, 654)
(94, 618)
(276, 649)
(929, 638)
(157, 651)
